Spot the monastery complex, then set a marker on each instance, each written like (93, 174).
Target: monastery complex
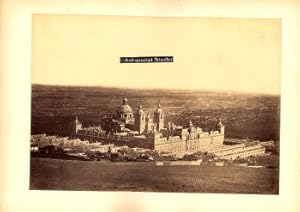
(140, 129)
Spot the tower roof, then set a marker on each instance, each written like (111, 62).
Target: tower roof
(77, 120)
(220, 124)
(158, 109)
(191, 123)
(140, 110)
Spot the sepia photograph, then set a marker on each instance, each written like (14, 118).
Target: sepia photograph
(155, 104)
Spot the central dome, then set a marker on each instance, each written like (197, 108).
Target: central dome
(124, 108)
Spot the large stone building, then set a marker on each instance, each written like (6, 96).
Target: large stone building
(140, 130)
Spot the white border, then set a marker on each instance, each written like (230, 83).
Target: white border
(15, 88)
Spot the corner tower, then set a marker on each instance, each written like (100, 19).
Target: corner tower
(220, 127)
(77, 125)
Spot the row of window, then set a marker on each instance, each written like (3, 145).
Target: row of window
(170, 148)
(228, 148)
(243, 153)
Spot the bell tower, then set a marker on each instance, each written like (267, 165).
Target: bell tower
(140, 120)
(158, 118)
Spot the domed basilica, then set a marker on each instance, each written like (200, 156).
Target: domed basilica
(125, 120)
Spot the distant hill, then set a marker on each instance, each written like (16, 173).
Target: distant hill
(245, 115)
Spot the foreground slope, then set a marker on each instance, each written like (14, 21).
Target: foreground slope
(53, 174)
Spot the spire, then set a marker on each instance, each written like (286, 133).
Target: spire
(191, 123)
(220, 126)
(158, 109)
(220, 122)
(140, 105)
(140, 110)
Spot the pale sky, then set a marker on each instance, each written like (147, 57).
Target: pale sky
(241, 55)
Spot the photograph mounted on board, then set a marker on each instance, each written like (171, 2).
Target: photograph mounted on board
(155, 104)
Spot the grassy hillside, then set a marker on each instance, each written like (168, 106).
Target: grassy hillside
(98, 176)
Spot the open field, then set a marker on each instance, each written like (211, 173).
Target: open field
(53, 174)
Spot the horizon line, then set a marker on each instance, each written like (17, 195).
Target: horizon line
(157, 88)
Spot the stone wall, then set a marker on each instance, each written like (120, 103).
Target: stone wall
(120, 141)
